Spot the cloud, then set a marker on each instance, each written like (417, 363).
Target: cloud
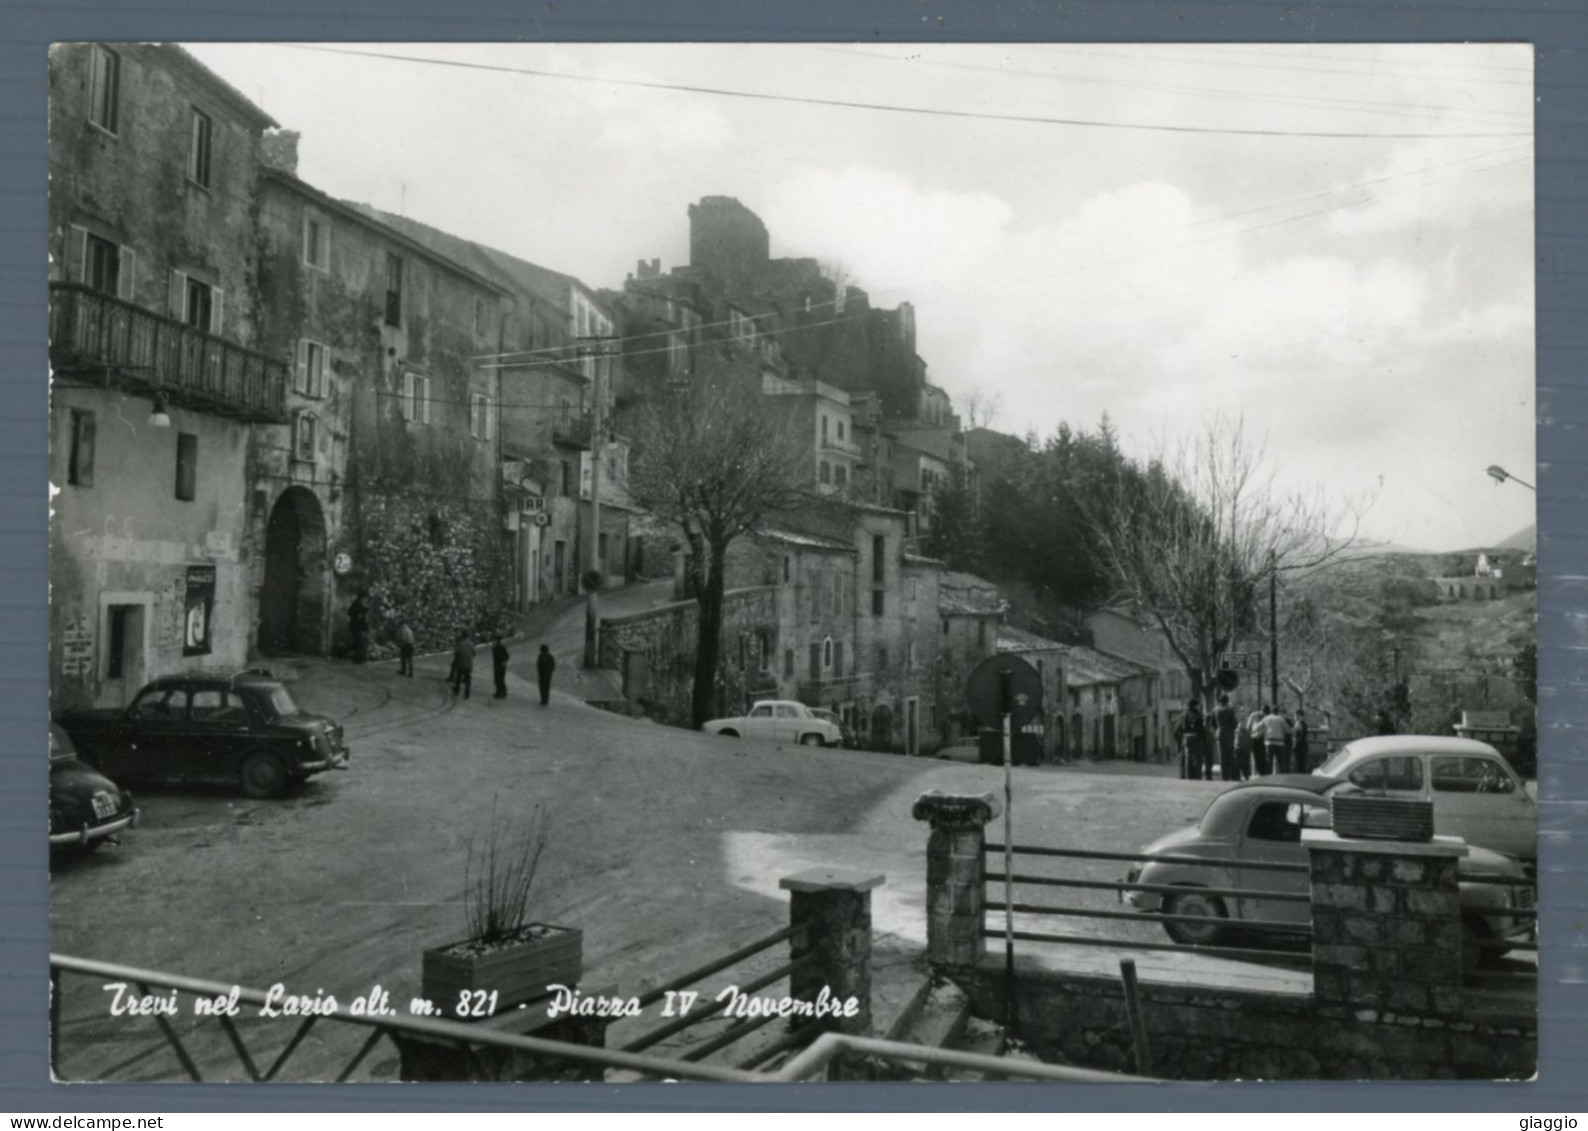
(888, 230)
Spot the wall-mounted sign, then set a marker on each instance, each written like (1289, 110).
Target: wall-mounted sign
(543, 519)
(534, 504)
(198, 610)
(342, 564)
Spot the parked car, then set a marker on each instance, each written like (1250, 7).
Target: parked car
(846, 737)
(781, 720)
(1476, 794)
(1260, 822)
(242, 729)
(86, 808)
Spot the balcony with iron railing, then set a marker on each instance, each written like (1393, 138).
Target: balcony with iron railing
(819, 692)
(572, 428)
(97, 335)
(843, 447)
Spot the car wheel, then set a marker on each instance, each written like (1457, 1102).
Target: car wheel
(263, 775)
(812, 740)
(1210, 907)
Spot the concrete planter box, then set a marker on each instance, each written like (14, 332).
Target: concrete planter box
(517, 970)
(1368, 816)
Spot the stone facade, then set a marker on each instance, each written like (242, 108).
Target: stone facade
(655, 652)
(393, 448)
(153, 306)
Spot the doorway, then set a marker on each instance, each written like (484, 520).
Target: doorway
(292, 601)
(124, 663)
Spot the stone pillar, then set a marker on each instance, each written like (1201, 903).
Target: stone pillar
(1386, 926)
(835, 904)
(956, 891)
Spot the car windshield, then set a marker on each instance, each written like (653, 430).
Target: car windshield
(281, 702)
(1332, 767)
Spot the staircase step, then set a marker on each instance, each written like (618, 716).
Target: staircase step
(983, 1038)
(941, 1021)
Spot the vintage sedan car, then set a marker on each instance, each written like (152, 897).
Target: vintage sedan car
(781, 720)
(846, 737)
(242, 729)
(1476, 794)
(1260, 822)
(86, 808)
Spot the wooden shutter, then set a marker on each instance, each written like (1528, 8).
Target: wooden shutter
(76, 254)
(178, 295)
(217, 302)
(126, 278)
(81, 472)
(301, 380)
(424, 387)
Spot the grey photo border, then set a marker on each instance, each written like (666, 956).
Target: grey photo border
(1557, 28)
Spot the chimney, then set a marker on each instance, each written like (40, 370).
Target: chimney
(278, 149)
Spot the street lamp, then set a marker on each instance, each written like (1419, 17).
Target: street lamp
(1500, 475)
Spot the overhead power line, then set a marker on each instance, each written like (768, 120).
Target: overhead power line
(973, 115)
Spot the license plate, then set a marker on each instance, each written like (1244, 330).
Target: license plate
(104, 805)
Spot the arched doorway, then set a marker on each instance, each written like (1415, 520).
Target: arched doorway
(292, 603)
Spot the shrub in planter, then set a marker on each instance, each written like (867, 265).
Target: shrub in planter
(506, 959)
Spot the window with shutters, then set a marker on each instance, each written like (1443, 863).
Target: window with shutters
(816, 661)
(310, 377)
(104, 95)
(479, 417)
(394, 290)
(813, 592)
(196, 302)
(80, 451)
(788, 663)
(316, 241)
(838, 658)
(186, 466)
(827, 652)
(879, 557)
(198, 152)
(102, 265)
(416, 398)
(305, 427)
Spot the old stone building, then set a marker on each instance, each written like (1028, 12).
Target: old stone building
(558, 355)
(158, 373)
(387, 476)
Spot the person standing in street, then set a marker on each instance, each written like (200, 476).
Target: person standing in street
(358, 625)
(1276, 730)
(1192, 732)
(462, 665)
(1254, 727)
(1383, 723)
(1226, 723)
(405, 649)
(1299, 744)
(499, 658)
(545, 664)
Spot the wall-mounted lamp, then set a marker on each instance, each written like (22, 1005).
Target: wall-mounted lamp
(158, 418)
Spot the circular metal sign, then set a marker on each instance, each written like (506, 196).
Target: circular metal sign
(342, 564)
(986, 690)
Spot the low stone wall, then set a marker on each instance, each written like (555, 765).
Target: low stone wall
(1210, 1033)
(654, 652)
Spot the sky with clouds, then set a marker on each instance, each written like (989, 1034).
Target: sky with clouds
(1333, 241)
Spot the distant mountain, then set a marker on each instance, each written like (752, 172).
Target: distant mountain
(1524, 539)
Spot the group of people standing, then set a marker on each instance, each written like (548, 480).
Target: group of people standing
(461, 676)
(1269, 741)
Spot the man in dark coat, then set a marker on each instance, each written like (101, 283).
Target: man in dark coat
(1192, 732)
(545, 664)
(1303, 761)
(462, 665)
(1226, 723)
(499, 657)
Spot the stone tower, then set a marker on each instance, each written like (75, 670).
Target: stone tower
(727, 240)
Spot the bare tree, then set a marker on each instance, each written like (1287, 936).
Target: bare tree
(1190, 541)
(982, 408)
(714, 458)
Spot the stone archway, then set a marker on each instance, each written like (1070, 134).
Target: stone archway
(292, 602)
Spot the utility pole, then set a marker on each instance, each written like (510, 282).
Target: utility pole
(592, 600)
(1273, 627)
